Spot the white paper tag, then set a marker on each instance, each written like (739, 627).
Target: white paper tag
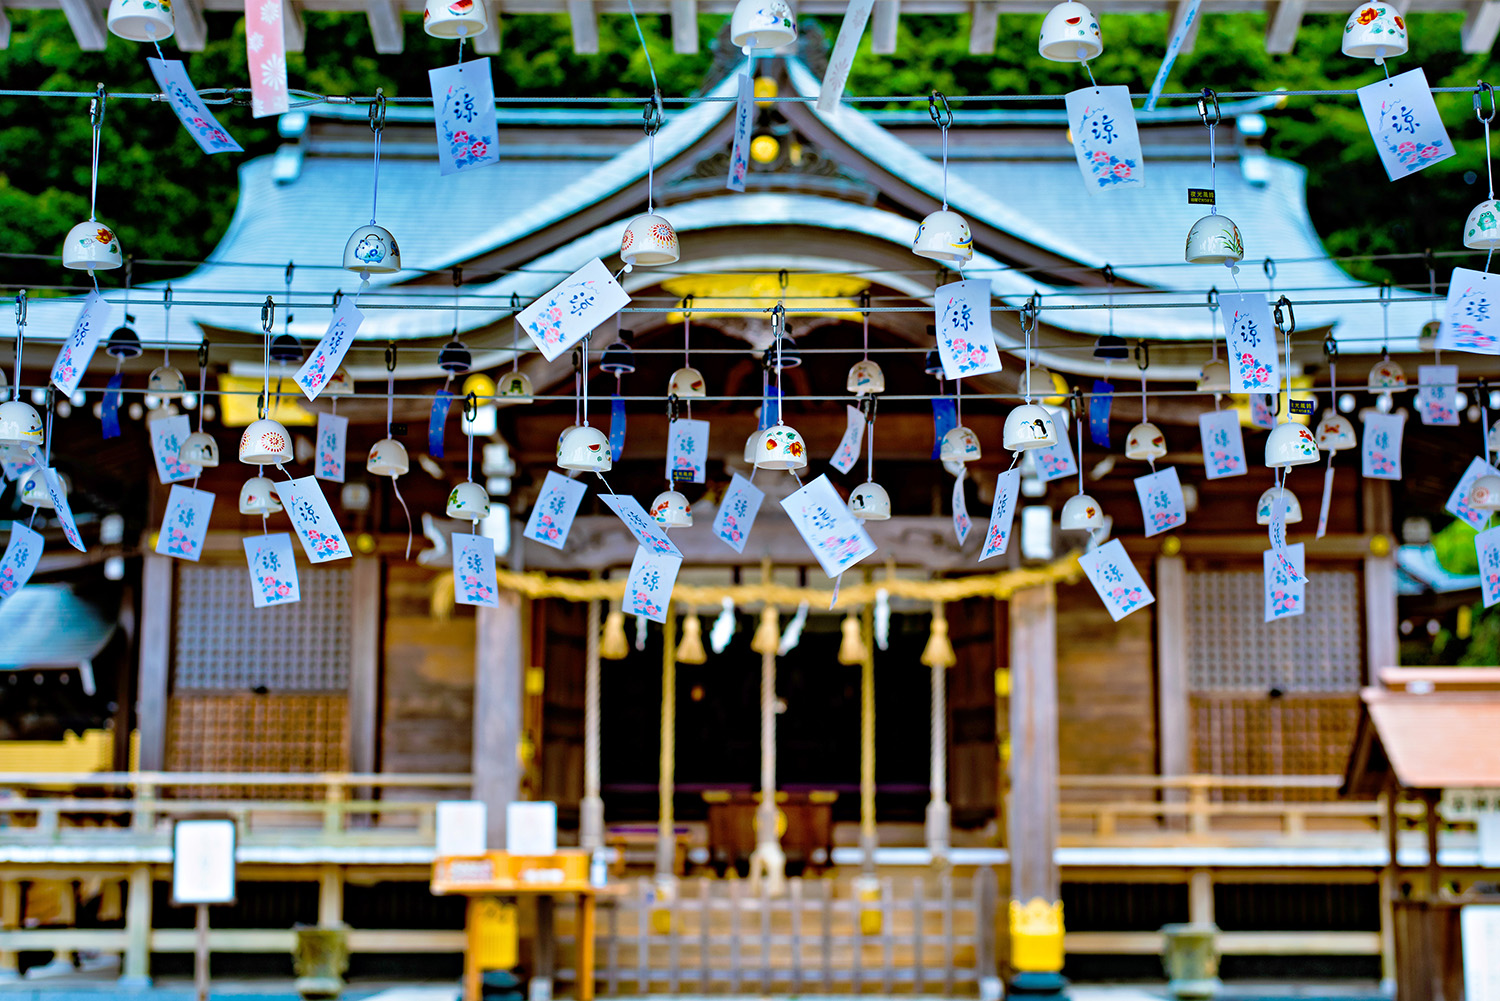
(648, 589)
(1251, 334)
(687, 451)
(1437, 388)
(1055, 461)
(63, 509)
(1458, 500)
(847, 454)
(1471, 313)
(463, 105)
(562, 317)
(1162, 505)
(961, 522)
(273, 572)
(965, 338)
(474, 571)
(556, 506)
(333, 433)
(737, 511)
(1327, 497)
(93, 319)
(1487, 547)
(1002, 514)
(744, 117)
(1380, 447)
(15, 460)
(1405, 124)
(167, 436)
(1277, 533)
(329, 354)
(185, 523)
(1115, 579)
(265, 50)
(1105, 140)
(835, 536)
(1285, 594)
(22, 554)
(319, 532)
(1223, 444)
(647, 531)
(182, 96)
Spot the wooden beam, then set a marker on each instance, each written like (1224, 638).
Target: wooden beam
(685, 26)
(87, 24)
(1283, 20)
(1033, 814)
(883, 34)
(191, 29)
(984, 28)
(488, 44)
(1179, 10)
(293, 28)
(585, 22)
(156, 660)
(1481, 24)
(385, 26)
(4, 30)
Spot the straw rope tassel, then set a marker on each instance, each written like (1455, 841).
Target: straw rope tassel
(690, 650)
(614, 646)
(591, 815)
(852, 648)
(939, 657)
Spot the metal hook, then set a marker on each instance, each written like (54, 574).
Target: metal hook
(203, 356)
(1385, 293)
(377, 110)
(1276, 399)
(1108, 272)
(653, 114)
(458, 277)
(471, 407)
(1269, 267)
(864, 303)
(867, 404)
(577, 361)
(937, 107)
(291, 269)
(21, 308)
(1479, 92)
(1207, 97)
(260, 404)
(338, 297)
(97, 105)
(515, 302)
(671, 408)
(390, 357)
(166, 297)
(1031, 312)
(1330, 348)
(687, 306)
(783, 279)
(1142, 355)
(1078, 403)
(268, 314)
(1213, 299)
(1291, 317)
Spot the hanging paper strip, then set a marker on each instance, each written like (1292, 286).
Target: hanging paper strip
(961, 521)
(1327, 498)
(109, 408)
(1102, 398)
(744, 114)
(1223, 444)
(1116, 579)
(557, 504)
(737, 511)
(167, 436)
(312, 378)
(562, 317)
(319, 532)
(273, 573)
(1263, 410)
(837, 539)
(617, 427)
(1471, 314)
(687, 451)
(965, 338)
(438, 422)
(1002, 515)
(1105, 140)
(1405, 124)
(648, 589)
(265, 48)
(1277, 532)
(73, 357)
(770, 408)
(185, 524)
(474, 571)
(463, 103)
(646, 529)
(333, 431)
(1284, 595)
(847, 454)
(944, 419)
(1437, 392)
(21, 557)
(1487, 546)
(63, 510)
(182, 96)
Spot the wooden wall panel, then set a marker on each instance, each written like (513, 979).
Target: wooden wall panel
(428, 685)
(1255, 734)
(245, 732)
(1105, 687)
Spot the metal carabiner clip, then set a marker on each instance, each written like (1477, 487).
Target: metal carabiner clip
(1142, 355)
(268, 314)
(653, 114)
(938, 109)
(377, 110)
(1290, 327)
(390, 357)
(1479, 92)
(1205, 99)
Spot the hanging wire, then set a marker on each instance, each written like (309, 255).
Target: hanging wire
(377, 126)
(96, 123)
(1211, 121)
(942, 114)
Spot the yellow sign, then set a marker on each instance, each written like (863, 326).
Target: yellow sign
(237, 407)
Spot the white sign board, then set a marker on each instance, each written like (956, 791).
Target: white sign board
(461, 826)
(203, 861)
(531, 828)
(1480, 926)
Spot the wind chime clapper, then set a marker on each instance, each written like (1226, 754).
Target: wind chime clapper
(649, 241)
(469, 501)
(372, 249)
(1214, 238)
(1482, 228)
(944, 235)
(91, 246)
(199, 448)
(1029, 426)
(1289, 443)
(869, 501)
(1080, 513)
(1145, 441)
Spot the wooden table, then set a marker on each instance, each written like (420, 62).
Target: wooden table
(500, 874)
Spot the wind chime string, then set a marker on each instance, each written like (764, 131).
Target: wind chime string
(942, 114)
(377, 126)
(20, 340)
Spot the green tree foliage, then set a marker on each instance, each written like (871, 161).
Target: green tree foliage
(170, 202)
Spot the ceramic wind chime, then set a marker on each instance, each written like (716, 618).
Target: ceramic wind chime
(1029, 426)
(1145, 441)
(1484, 494)
(388, 456)
(141, 20)
(371, 249)
(468, 500)
(1213, 377)
(199, 448)
(869, 501)
(1214, 238)
(515, 385)
(1081, 513)
(1482, 228)
(1386, 376)
(649, 240)
(20, 424)
(1289, 443)
(583, 448)
(165, 381)
(265, 442)
(780, 446)
(91, 246)
(944, 235)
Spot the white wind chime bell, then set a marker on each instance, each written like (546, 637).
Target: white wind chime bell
(1214, 238)
(649, 241)
(1145, 442)
(1081, 513)
(1213, 377)
(1484, 494)
(91, 245)
(1482, 228)
(199, 448)
(780, 446)
(1029, 426)
(20, 424)
(582, 448)
(372, 249)
(468, 501)
(1386, 375)
(944, 235)
(388, 456)
(869, 501)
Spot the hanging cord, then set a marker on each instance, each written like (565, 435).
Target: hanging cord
(778, 331)
(583, 376)
(1489, 168)
(471, 410)
(20, 340)
(96, 122)
(515, 334)
(645, 51)
(1213, 335)
(652, 125)
(202, 396)
(1078, 418)
(1211, 120)
(1331, 352)
(390, 408)
(267, 324)
(1385, 323)
(942, 114)
(1143, 362)
(1030, 314)
(870, 440)
(166, 332)
(864, 313)
(377, 126)
(1481, 393)
(687, 323)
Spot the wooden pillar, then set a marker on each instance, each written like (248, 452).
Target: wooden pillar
(498, 658)
(666, 824)
(330, 896)
(364, 665)
(1036, 920)
(1172, 707)
(135, 971)
(10, 920)
(1201, 897)
(1382, 643)
(156, 660)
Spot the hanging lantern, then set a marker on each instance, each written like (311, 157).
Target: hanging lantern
(649, 241)
(865, 378)
(455, 18)
(1482, 228)
(1111, 347)
(618, 359)
(258, 496)
(123, 344)
(757, 24)
(1145, 442)
(585, 449)
(388, 458)
(1335, 433)
(959, 445)
(1081, 513)
(140, 20)
(265, 443)
(199, 449)
(686, 384)
(781, 448)
(1029, 426)
(1267, 502)
(468, 502)
(1214, 239)
(1374, 31)
(870, 502)
(670, 509)
(286, 349)
(1290, 444)
(1070, 34)
(944, 236)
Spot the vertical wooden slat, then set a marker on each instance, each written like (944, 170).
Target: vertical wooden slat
(765, 936)
(796, 898)
(613, 951)
(643, 936)
(1282, 24)
(734, 936)
(497, 710)
(87, 22)
(674, 940)
(888, 934)
(1481, 25)
(293, 28)
(918, 943)
(684, 26)
(385, 26)
(828, 888)
(947, 888)
(191, 30)
(984, 28)
(4, 29)
(705, 922)
(364, 665)
(156, 659)
(1033, 814)
(883, 32)
(585, 23)
(488, 44)
(857, 940)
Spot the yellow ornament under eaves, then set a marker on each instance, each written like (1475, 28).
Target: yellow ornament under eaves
(838, 294)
